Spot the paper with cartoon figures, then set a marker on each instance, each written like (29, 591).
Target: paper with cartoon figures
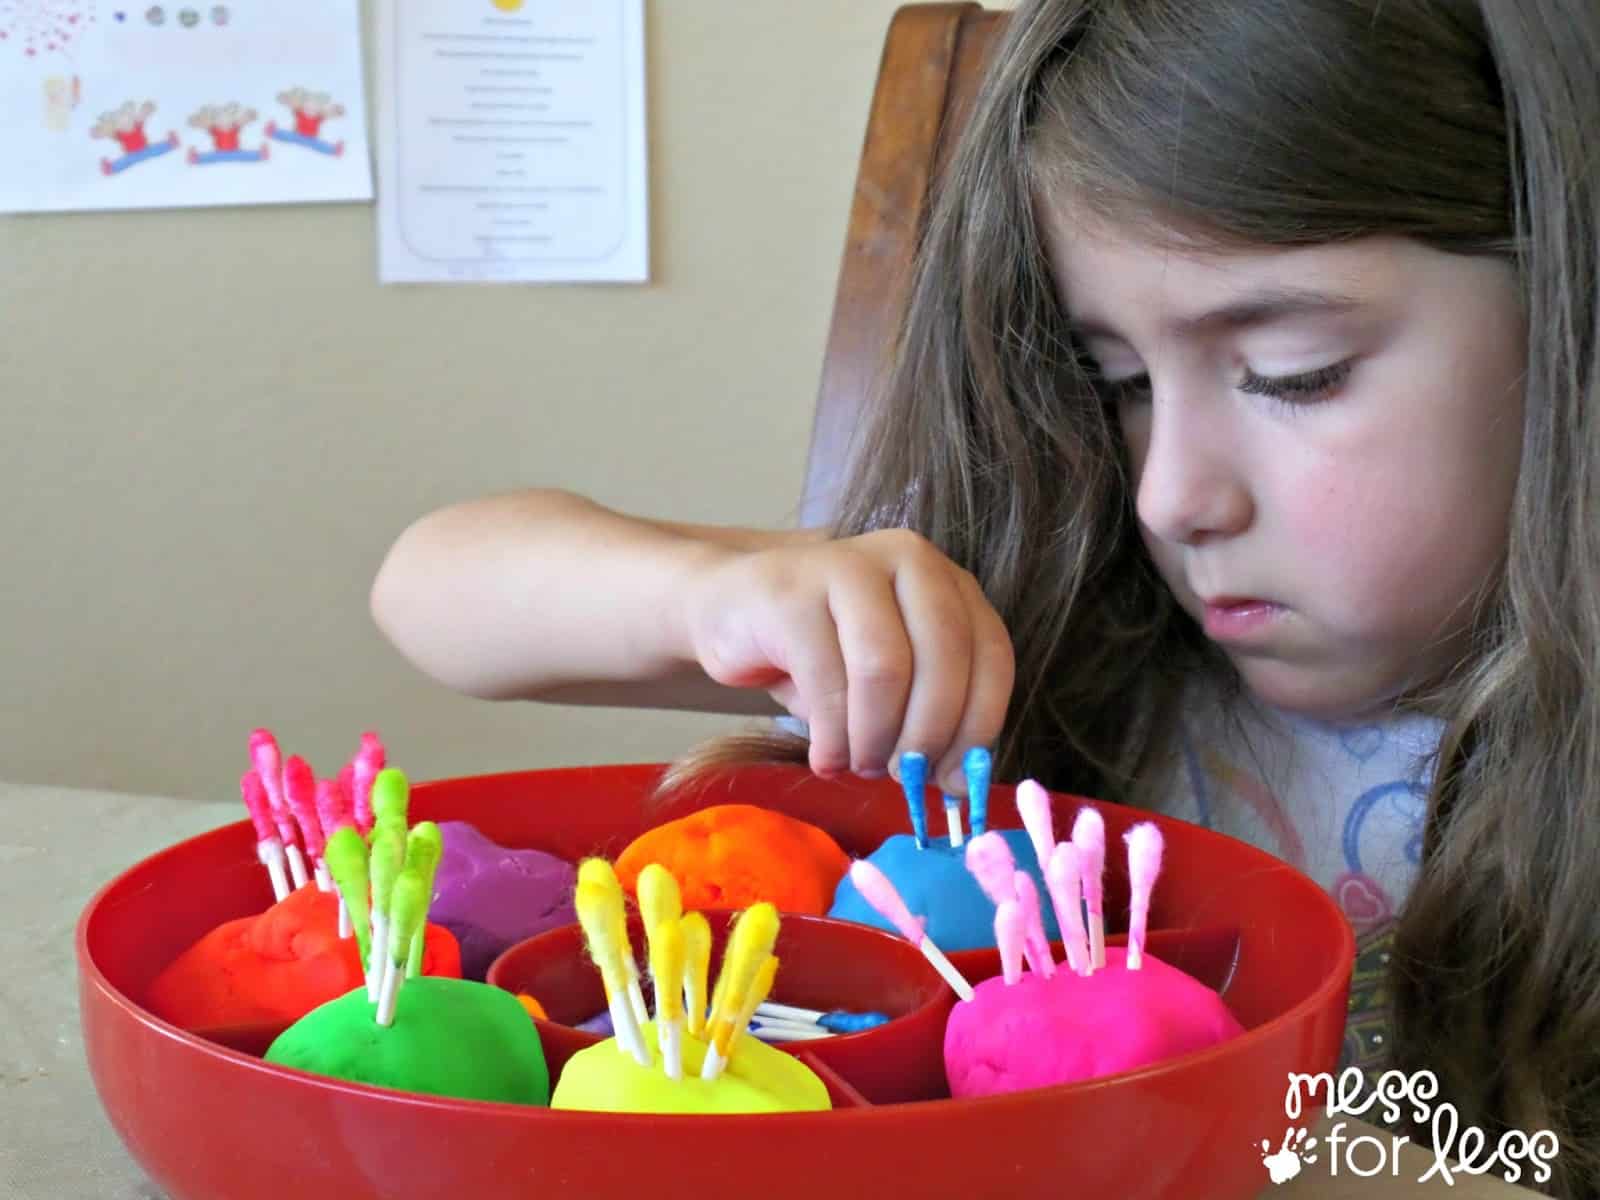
(171, 105)
(511, 141)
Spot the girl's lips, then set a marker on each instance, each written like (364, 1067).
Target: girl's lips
(1236, 618)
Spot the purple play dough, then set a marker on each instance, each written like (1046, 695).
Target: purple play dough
(492, 897)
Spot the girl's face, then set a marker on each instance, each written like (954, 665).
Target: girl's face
(1324, 442)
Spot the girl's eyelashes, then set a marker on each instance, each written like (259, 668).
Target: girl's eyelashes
(1304, 388)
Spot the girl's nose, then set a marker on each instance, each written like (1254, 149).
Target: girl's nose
(1191, 480)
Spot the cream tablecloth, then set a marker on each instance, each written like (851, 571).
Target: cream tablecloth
(57, 846)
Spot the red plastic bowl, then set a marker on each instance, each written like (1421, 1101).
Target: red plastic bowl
(822, 964)
(211, 1123)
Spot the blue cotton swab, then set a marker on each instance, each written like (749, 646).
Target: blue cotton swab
(837, 1021)
(913, 779)
(978, 767)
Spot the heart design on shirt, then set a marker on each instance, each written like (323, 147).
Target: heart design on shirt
(1362, 899)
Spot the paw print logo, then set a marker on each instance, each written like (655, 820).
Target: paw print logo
(1294, 1153)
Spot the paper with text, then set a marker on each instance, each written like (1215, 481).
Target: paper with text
(511, 141)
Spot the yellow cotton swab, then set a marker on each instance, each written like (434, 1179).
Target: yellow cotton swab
(661, 906)
(594, 903)
(603, 874)
(696, 968)
(760, 989)
(754, 934)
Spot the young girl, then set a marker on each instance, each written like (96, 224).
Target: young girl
(1236, 459)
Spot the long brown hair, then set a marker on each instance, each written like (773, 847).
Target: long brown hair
(1473, 127)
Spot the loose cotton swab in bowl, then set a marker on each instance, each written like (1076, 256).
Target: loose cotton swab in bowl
(878, 891)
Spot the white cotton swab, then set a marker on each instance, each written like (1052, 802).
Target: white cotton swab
(952, 820)
(1144, 864)
(1089, 836)
(877, 891)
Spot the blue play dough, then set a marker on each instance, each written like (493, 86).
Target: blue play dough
(936, 884)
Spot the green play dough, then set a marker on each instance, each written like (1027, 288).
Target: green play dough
(450, 1037)
(757, 1079)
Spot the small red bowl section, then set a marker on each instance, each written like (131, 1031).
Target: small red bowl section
(207, 1121)
(823, 964)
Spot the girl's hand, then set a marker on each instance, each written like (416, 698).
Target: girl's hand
(879, 642)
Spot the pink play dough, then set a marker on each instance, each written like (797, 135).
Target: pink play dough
(1040, 1032)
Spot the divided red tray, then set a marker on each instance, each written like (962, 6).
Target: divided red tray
(209, 1121)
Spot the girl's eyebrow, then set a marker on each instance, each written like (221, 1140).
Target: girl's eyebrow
(1259, 307)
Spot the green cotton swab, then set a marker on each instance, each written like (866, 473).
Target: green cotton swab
(391, 796)
(408, 909)
(388, 856)
(346, 856)
(424, 849)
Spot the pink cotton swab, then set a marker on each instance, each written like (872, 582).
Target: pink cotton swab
(1033, 804)
(1144, 864)
(877, 891)
(269, 847)
(264, 756)
(1034, 942)
(1063, 876)
(333, 812)
(369, 760)
(1010, 938)
(300, 789)
(992, 864)
(1089, 836)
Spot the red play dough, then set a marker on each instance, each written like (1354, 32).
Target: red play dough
(1069, 1028)
(276, 966)
(734, 855)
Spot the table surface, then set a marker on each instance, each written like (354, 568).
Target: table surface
(58, 845)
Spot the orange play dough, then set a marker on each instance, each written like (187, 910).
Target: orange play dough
(276, 966)
(734, 855)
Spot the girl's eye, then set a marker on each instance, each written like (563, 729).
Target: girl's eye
(1305, 388)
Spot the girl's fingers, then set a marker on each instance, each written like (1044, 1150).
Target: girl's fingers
(816, 665)
(988, 688)
(939, 626)
(877, 663)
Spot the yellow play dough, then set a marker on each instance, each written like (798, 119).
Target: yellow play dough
(508, 5)
(757, 1079)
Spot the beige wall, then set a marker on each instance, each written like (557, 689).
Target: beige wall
(216, 421)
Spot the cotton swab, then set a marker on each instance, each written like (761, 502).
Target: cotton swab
(391, 796)
(269, 847)
(592, 900)
(696, 968)
(604, 875)
(1034, 942)
(978, 766)
(347, 854)
(661, 906)
(778, 1032)
(1063, 876)
(877, 891)
(755, 931)
(992, 864)
(1089, 836)
(1033, 805)
(1008, 938)
(836, 1020)
(300, 790)
(760, 989)
(333, 812)
(1144, 864)
(424, 849)
(364, 767)
(408, 909)
(387, 858)
(268, 762)
(913, 781)
(952, 819)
